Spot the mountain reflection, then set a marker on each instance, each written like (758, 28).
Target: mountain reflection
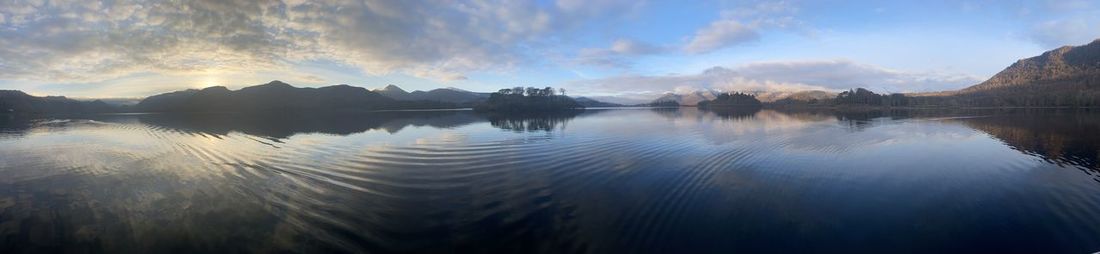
(283, 126)
(1063, 137)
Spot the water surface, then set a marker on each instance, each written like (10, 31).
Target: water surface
(599, 181)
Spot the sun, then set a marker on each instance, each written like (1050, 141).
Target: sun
(210, 81)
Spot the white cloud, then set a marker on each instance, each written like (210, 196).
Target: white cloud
(630, 47)
(87, 41)
(1067, 31)
(742, 25)
(619, 54)
(721, 34)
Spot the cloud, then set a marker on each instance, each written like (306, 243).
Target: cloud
(312, 78)
(1055, 23)
(844, 74)
(721, 34)
(618, 55)
(742, 25)
(827, 75)
(87, 41)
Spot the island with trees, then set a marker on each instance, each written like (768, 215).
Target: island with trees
(731, 100)
(864, 97)
(529, 99)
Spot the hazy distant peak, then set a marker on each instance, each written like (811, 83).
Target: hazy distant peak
(457, 89)
(392, 88)
(273, 85)
(277, 83)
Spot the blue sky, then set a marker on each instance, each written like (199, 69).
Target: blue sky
(635, 49)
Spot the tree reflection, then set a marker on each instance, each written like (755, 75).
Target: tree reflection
(732, 113)
(530, 122)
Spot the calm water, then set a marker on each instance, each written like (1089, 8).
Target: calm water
(601, 181)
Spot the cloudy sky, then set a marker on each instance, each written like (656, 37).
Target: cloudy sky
(627, 48)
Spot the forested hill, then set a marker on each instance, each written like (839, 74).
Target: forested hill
(1067, 76)
(1062, 64)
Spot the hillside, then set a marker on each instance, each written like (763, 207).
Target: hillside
(1067, 76)
(1067, 63)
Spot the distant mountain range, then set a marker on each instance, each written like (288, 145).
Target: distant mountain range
(272, 96)
(688, 98)
(452, 95)
(811, 95)
(592, 103)
(19, 102)
(693, 98)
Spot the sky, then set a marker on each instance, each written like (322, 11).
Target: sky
(625, 48)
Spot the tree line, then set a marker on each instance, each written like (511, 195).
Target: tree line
(860, 96)
(530, 91)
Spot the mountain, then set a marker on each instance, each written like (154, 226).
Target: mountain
(394, 92)
(448, 95)
(19, 102)
(1066, 64)
(451, 95)
(1066, 76)
(591, 103)
(273, 96)
(689, 98)
(113, 101)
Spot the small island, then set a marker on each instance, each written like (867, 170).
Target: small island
(731, 100)
(530, 99)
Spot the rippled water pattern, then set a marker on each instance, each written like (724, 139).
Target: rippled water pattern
(602, 181)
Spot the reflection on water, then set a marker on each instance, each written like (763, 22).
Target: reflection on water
(599, 181)
(282, 125)
(532, 121)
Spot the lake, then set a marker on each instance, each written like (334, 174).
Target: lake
(599, 181)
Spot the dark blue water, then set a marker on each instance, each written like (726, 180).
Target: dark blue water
(599, 181)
